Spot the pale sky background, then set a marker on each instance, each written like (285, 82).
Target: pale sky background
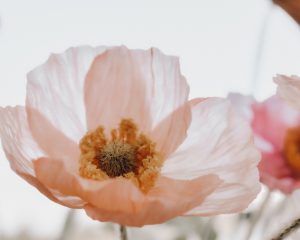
(217, 42)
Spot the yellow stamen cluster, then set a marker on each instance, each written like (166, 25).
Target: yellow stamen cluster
(127, 153)
(292, 148)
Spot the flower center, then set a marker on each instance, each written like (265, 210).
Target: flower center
(291, 148)
(127, 153)
(117, 159)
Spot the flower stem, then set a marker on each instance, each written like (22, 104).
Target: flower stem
(123, 232)
(67, 225)
(287, 231)
(261, 42)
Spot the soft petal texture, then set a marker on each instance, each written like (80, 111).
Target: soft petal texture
(212, 164)
(52, 141)
(242, 104)
(146, 86)
(218, 142)
(289, 89)
(56, 89)
(271, 120)
(20, 149)
(276, 174)
(120, 201)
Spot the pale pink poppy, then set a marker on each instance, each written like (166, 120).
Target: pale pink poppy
(276, 127)
(111, 130)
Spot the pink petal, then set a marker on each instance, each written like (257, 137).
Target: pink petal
(52, 141)
(289, 89)
(20, 149)
(242, 104)
(272, 118)
(219, 142)
(120, 201)
(143, 85)
(276, 174)
(170, 198)
(67, 201)
(176, 124)
(55, 89)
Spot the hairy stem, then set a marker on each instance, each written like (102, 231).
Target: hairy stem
(287, 231)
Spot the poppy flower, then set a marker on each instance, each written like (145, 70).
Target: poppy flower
(111, 130)
(292, 7)
(276, 126)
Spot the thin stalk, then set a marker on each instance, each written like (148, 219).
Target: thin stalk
(123, 232)
(259, 50)
(67, 225)
(208, 229)
(287, 231)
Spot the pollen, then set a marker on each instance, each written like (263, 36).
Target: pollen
(292, 148)
(126, 153)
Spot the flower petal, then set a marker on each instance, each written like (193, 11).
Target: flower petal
(271, 126)
(120, 201)
(17, 142)
(67, 201)
(20, 149)
(52, 141)
(242, 104)
(276, 174)
(143, 85)
(289, 89)
(170, 198)
(56, 89)
(218, 142)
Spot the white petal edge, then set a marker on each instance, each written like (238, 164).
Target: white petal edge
(289, 89)
(20, 149)
(55, 89)
(219, 142)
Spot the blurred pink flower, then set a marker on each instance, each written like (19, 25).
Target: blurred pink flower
(276, 128)
(111, 130)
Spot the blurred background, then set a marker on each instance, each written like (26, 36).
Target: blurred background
(224, 46)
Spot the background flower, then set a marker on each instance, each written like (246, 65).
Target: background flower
(271, 120)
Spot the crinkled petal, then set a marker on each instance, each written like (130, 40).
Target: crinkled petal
(289, 89)
(56, 89)
(272, 118)
(162, 203)
(218, 142)
(146, 86)
(67, 201)
(119, 200)
(20, 149)
(52, 141)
